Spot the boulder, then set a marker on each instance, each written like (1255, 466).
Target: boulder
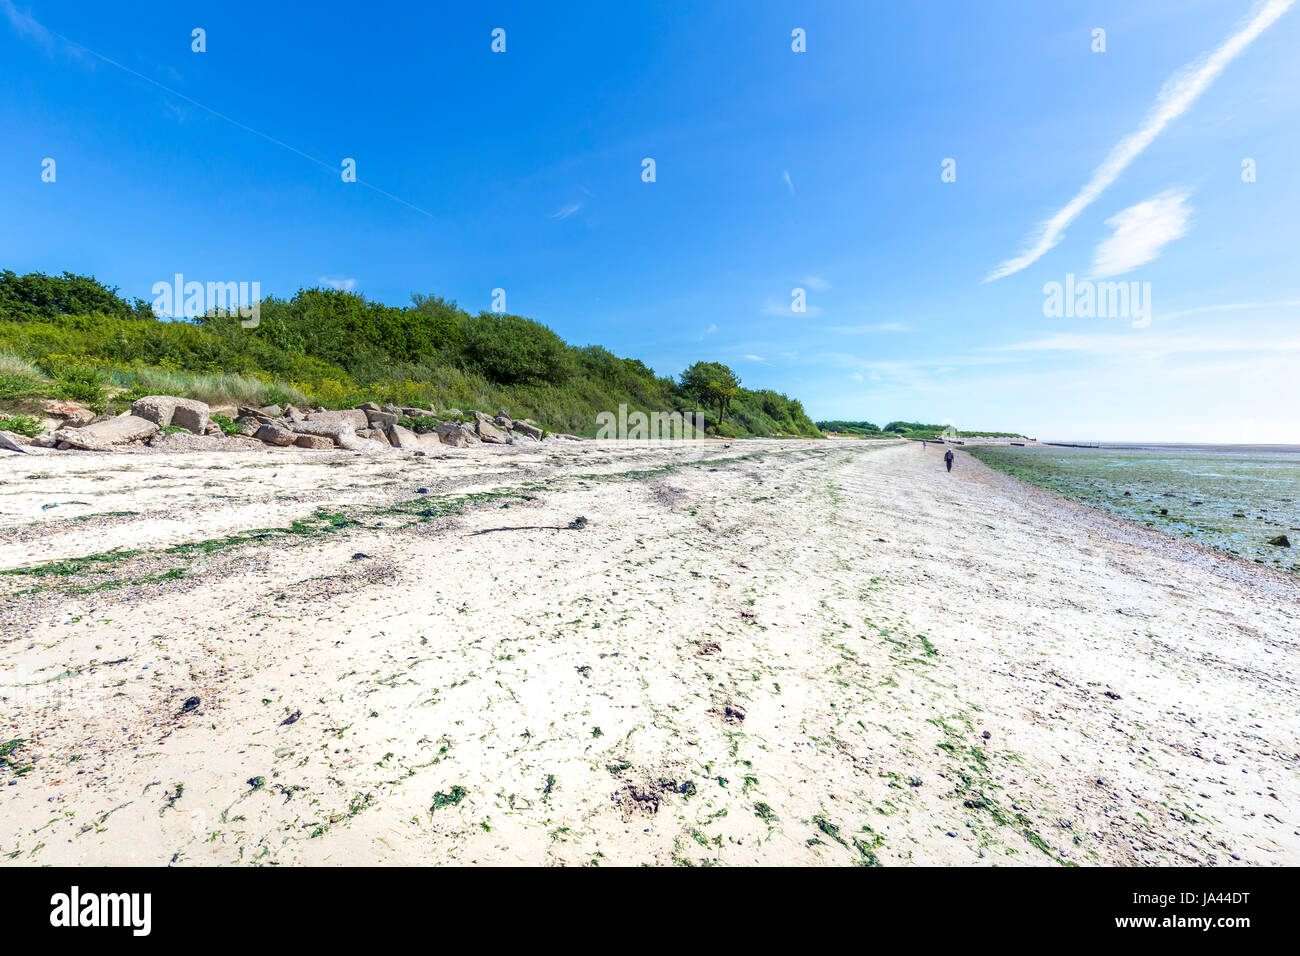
(368, 407)
(70, 414)
(40, 445)
(456, 435)
(164, 410)
(273, 434)
(532, 431)
(340, 432)
(400, 437)
(315, 442)
(252, 414)
(122, 430)
(12, 442)
(380, 419)
(379, 436)
(486, 431)
(275, 411)
(410, 412)
(354, 417)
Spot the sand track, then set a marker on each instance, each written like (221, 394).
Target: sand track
(772, 652)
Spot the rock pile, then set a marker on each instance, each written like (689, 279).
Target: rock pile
(368, 427)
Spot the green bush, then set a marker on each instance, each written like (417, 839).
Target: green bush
(336, 349)
(227, 426)
(21, 425)
(512, 350)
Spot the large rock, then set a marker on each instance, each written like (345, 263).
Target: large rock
(10, 441)
(273, 434)
(164, 410)
(486, 431)
(315, 442)
(249, 413)
(340, 432)
(456, 435)
(380, 419)
(121, 430)
(355, 417)
(532, 431)
(400, 437)
(69, 414)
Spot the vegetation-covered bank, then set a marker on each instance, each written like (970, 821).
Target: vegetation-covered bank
(915, 430)
(72, 337)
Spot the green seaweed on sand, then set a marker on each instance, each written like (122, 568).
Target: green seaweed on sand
(449, 799)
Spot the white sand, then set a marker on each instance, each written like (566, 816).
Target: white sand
(871, 617)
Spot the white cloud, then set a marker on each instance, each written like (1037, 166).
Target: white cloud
(1141, 233)
(816, 283)
(344, 285)
(711, 329)
(566, 211)
(785, 174)
(1175, 98)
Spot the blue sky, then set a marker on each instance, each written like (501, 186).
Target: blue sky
(775, 170)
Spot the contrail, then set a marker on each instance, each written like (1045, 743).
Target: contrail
(25, 23)
(1176, 96)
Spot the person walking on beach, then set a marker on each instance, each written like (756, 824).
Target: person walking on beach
(922, 444)
(947, 458)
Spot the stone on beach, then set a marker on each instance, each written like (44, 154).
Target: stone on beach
(315, 442)
(532, 431)
(456, 435)
(487, 431)
(122, 430)
(274, 434)
(342, 433)
(66, 414)
(354, 417)
(164, 410)
(401, 437)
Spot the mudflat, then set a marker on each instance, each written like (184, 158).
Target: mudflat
(754, 652)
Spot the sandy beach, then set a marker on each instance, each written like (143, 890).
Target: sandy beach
(751, 652)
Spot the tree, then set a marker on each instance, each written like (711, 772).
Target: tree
(711, 383)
